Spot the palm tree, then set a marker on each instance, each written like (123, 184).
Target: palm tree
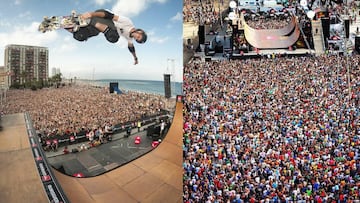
(57, 79)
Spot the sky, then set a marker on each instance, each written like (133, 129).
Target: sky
(97, 58)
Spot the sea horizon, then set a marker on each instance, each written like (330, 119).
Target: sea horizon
(145, 86)
(84, 79)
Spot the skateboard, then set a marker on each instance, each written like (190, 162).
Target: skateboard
(72, 22)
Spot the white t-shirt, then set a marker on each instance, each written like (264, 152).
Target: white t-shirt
(123, 26)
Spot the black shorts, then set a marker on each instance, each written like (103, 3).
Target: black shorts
(85, 33)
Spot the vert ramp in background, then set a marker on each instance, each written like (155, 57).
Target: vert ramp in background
(153, 177)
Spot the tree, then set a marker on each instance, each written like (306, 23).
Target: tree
(56, 79)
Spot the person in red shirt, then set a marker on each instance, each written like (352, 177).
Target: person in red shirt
(66, 151)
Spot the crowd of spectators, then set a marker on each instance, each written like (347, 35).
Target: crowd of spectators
(70, 109)
(200, 12)
(268, 20)
(240, 42)
(275, 129)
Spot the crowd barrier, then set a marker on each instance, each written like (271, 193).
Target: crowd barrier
(74, 138)
(52, 188)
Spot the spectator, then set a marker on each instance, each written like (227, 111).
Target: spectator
(272, 130)
(66, 151)
(162, 127)
(80, 108)
(139, 125)
(200, 12)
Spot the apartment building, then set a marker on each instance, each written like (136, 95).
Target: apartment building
(26, 64)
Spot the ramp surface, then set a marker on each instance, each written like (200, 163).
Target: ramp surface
(154, 177)
(272, 38)
(20, 180)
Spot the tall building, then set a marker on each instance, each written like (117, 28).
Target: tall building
(55, 71)
(2, 77)
(26, 64)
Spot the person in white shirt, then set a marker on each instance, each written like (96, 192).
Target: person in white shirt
(162, 127)
(118, 26)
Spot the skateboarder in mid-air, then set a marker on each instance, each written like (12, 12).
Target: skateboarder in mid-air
(113, 26)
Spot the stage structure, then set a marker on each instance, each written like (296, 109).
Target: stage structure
(114, 88)
(167, 85)
(170, 73)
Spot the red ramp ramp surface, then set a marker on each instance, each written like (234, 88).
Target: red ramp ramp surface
(272, 38)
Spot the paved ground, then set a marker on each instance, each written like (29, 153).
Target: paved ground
(115, 137)
(105, 157)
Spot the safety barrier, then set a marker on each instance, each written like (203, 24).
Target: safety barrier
(74, 138)
(52, 187)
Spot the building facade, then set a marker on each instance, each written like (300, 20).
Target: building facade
(55, 71)
(3, 76)
(26, 64)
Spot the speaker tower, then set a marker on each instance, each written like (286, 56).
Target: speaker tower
(113, 86)
(201, 34)
(357, 43)
(167, 85)
(347, 28)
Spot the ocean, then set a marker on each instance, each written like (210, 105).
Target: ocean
(146, 86)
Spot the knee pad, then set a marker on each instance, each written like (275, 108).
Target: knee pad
(111, 35)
